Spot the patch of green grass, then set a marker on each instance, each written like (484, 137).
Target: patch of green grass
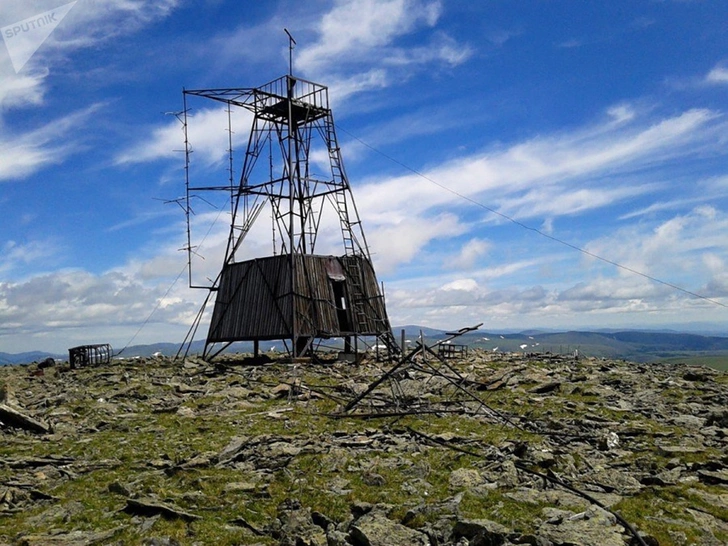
(413, 474)
(660, 511)
(718, 362)
(496, 506)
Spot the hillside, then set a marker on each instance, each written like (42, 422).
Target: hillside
(490, 449)
(637, 346)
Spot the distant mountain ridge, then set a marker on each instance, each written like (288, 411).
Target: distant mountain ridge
(31, 356)
(636, 345)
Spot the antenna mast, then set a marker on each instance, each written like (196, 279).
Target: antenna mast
(291, 45)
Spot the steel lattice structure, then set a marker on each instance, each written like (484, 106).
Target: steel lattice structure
(295, 294)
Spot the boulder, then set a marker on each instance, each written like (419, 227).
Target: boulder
(593, 527)
(480, 532)
(376, 529)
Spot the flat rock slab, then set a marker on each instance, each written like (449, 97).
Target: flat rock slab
(151, 507)
(595, 527)
(74, 538)
(545, 388)
(713, 477)
(612, 480)
(15, 418)
(376, 529)
(673, 450)
(480, 532)
(465, 478)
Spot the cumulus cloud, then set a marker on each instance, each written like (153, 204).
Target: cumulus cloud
(462, 285)
(71, 307)
(672, 246)
(684, 250)
(718, 75)
(398, 243)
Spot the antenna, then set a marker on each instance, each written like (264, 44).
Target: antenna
(291, 44)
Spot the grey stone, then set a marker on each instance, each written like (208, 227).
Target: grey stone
(480, 532)
(163, 541)
(594, 527)
(298, 529)
(376, 529)
(465, 478)
(151, 507)
(614, 480)
(12, 417)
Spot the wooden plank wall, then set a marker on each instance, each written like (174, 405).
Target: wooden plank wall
(255, 300)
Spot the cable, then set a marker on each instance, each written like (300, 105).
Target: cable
(153, 311)
(533, 229)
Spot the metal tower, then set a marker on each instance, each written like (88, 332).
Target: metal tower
(294, 294)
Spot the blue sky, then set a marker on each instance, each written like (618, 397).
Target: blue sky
(599, 124)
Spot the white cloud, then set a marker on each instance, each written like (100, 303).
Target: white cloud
(88, 23)
(672, 248)
(342, 87)
(71, 307)
(21, 90)
(356, 33)
(16, 255)
(353, 28)
(548, 175)
(606, 293)
(501, 36)
(463, 285)
(621, 113)
(564, 200)
(207, 132)
(470, 253)
(714, 263)
(718, 75)
(26, 153)
(442, 49)
(686, 250)
(399, 242)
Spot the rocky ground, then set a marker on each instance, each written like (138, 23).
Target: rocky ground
(484, 450)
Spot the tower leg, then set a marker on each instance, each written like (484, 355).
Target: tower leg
(301, 346)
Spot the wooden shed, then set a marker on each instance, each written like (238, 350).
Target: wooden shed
(313, 296)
